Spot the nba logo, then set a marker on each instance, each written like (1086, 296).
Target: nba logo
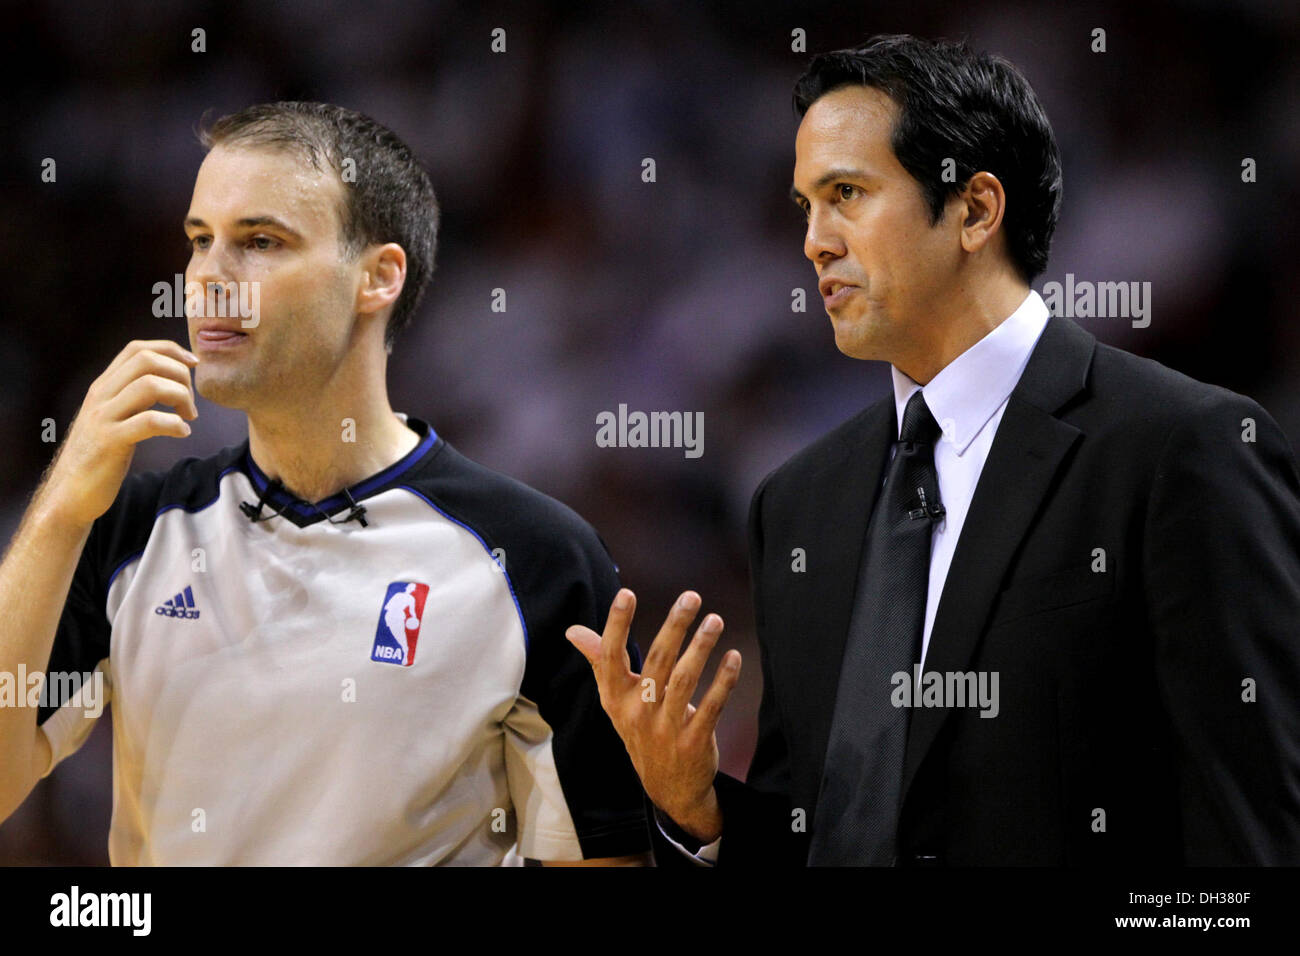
(399, 623)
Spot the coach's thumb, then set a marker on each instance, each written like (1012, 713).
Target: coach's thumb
(585, 640)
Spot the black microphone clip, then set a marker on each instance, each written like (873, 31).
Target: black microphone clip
(935, 510)
(255, 513)
(356, 513)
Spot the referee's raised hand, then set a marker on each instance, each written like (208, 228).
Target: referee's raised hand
(673, 745)
(78, 487)
(116, 415)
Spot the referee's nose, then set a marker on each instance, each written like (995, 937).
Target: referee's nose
(216, 282)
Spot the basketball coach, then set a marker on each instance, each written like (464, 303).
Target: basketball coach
(1041, 604)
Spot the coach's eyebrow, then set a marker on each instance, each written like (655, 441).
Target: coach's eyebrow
(249, 222)
(840, 172)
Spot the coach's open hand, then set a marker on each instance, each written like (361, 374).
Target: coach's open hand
(672, 744)
(117, 414)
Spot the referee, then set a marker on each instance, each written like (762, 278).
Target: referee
(340, 642)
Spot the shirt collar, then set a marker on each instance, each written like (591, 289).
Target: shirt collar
(306, 512)
(969, 389)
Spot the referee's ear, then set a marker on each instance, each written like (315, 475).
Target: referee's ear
(383, 276)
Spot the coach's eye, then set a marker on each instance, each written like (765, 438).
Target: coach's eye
(847, 186)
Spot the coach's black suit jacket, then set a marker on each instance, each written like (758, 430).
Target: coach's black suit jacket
(1149, 712)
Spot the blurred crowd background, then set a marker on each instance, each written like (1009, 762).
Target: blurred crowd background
(672, 295)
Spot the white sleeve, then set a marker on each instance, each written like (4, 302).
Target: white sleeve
(545, 825)
(708, 853)
(67, 728)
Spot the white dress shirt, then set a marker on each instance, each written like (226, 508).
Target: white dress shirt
(967, 398)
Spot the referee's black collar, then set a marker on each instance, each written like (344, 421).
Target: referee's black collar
(303, 513)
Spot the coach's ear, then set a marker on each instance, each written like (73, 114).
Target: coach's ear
(383, 274)
(983, 203)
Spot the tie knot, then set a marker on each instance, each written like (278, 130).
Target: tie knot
(918, 424)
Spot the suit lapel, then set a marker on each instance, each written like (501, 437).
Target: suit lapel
(1024, 458)
(846, 493)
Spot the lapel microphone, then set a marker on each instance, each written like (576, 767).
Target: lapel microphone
(255, 513)
(357, 513)
(934, 510)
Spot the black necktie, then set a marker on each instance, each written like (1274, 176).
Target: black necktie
(856, 819)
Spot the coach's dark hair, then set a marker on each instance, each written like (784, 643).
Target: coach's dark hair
(973, 107)
(389, 199)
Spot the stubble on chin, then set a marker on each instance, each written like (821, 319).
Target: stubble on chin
(857, 338)
(225, 389)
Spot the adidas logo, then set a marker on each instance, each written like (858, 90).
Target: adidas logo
(182, 605)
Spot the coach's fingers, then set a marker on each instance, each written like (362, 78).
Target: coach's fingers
(612, 688)
(704, 719)
(663, 651)
(686, 675)
(612, 676)
(613, 642)
(586, 641)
